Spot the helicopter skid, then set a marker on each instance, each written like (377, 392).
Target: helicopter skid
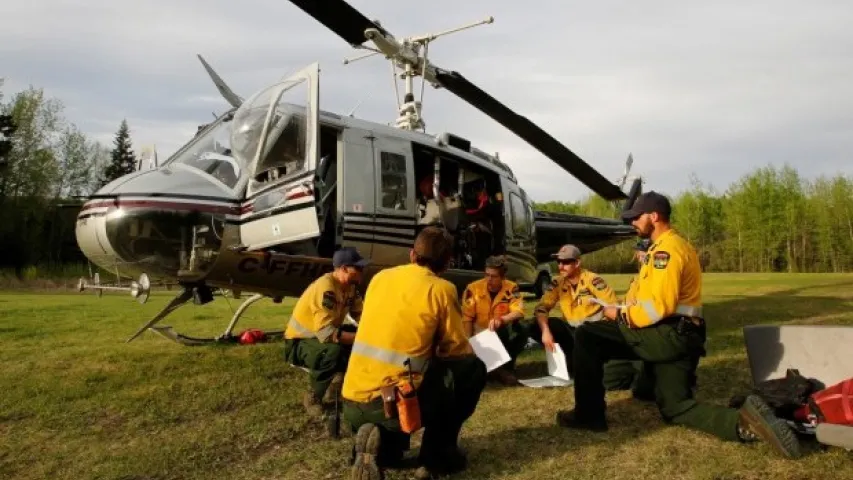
(169, 333)
(226, 337)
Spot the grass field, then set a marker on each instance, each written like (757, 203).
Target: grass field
(79, 403)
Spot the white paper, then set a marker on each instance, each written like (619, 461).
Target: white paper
(558, 371)
(545, 382)
(487, 345)
(602, 303)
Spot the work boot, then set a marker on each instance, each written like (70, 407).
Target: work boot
(365, 464)
(506, 377)
(757, 421)
(334, 390)
(569, 419)
(313, 404)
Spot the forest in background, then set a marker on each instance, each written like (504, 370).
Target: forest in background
(770, 220)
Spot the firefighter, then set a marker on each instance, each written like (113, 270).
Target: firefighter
(495, 303)
(315, 336)
(411, 336)
(572, 290)
(665, 328)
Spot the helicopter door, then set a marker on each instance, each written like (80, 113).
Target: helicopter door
(356, 191)
(279, 126)
(396, 210)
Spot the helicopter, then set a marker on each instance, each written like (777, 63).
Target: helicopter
(261, 197)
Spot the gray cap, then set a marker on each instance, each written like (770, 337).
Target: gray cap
(567, 252)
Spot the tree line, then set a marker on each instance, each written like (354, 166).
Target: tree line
(770, 220)
(47, 164)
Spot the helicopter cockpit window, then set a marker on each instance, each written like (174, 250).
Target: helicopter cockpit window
(394, 191)
(210, 152)
(285, 149)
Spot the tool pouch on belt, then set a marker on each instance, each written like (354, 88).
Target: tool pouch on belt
(389, 400)
(401, 402)
(408, 408)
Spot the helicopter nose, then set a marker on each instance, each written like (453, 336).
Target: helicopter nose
(136, 229)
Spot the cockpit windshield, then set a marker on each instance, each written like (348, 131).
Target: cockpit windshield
(210, 152)
(282, 149)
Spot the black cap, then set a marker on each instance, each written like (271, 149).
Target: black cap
(348, 257)
(647, 203)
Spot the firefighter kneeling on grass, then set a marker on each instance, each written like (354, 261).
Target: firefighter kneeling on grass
(411, 366)
(495, 303)
(315, 337)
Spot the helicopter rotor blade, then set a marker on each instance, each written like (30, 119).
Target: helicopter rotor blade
(355, 28)
(223, 87)
(531, 133)
(339, 17)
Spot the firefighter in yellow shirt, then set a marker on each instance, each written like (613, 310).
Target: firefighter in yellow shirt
(664, 326)
(315, 336)
(411, 336)
(495, 303)
(572, 291)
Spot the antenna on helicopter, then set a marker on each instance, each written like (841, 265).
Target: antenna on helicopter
(628, 163)
(351, 112)
(410, 54)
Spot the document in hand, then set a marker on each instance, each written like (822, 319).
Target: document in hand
(487, 345)
(558, 371)
(603, 304)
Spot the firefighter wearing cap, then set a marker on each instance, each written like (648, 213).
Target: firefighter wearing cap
(665, 328)
(315, 336)
(495, 303)
(627, 374)
(411, 333)
(572, 291)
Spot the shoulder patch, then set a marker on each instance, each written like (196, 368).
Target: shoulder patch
(661, 259)
(329, 300)
(599, 283)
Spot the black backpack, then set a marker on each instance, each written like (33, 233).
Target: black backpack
(784, 395)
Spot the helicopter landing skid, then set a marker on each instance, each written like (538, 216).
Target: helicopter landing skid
(227, 336)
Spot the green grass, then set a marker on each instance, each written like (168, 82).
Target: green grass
(77, 402)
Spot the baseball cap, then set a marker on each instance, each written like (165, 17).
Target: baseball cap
(567, 252)
(349, 257)
(647, 203)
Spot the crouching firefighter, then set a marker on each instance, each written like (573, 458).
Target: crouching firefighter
(315, 337)
(411, 367)
(495, 303)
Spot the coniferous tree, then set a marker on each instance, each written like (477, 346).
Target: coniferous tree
(122, 159)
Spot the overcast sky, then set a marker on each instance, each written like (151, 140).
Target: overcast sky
(715, 89)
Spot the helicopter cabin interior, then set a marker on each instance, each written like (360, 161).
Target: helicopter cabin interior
(375, 191)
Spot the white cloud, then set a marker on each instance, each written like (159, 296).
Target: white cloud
(715, 89)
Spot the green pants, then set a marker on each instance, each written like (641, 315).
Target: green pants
(323, 360)
(671, 355)
(448, 396)
(618, 374)
(513, 336)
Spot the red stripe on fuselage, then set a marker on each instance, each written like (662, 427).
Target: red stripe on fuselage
(186, 206)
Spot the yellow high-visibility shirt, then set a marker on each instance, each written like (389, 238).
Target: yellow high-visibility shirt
(632, 291)
(412, 314)
(573, 300)
(669, 283)
(322, 308)
(479, 307)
